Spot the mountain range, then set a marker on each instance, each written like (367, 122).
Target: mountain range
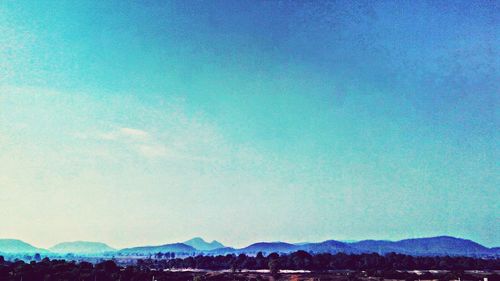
(151, 250)
(432, 246)
(81, 247)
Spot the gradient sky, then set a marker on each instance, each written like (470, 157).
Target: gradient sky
(153, 122)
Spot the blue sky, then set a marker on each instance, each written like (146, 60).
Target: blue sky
(152, 122)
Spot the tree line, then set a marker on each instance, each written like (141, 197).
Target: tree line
(350, 266)
(321, 262)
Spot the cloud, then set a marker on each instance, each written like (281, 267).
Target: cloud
(143, 143)
(120, 134)
(167, 133)
(135, 133)
(153, 151)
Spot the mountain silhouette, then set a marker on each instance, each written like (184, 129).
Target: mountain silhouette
(81, 247)
(201, 245)
(429, 246)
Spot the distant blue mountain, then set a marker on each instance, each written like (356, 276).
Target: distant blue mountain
(221, 251)
(375, 246)
(150, 250)
(432, 246)
(81, 247)
(14, 246)
(329, 246)
(495, 251)
(269, 247)
(201, 245)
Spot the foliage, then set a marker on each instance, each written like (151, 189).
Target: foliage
(391, 266)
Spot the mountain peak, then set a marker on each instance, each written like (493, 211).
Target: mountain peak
(196, 239)
(202, 245)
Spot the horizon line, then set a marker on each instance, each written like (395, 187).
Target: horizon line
(347, 241)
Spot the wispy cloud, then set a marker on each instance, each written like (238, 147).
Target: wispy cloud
(119, 134)
(167, 134)
(170, 133)
(135, 133)
(154, 150)
(145, 144)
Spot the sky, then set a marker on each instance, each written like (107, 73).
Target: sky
(152, 122)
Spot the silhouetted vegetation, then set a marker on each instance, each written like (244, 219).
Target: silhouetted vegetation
(338, 267)
(320, 262)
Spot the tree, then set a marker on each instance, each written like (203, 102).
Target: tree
(274, 268)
